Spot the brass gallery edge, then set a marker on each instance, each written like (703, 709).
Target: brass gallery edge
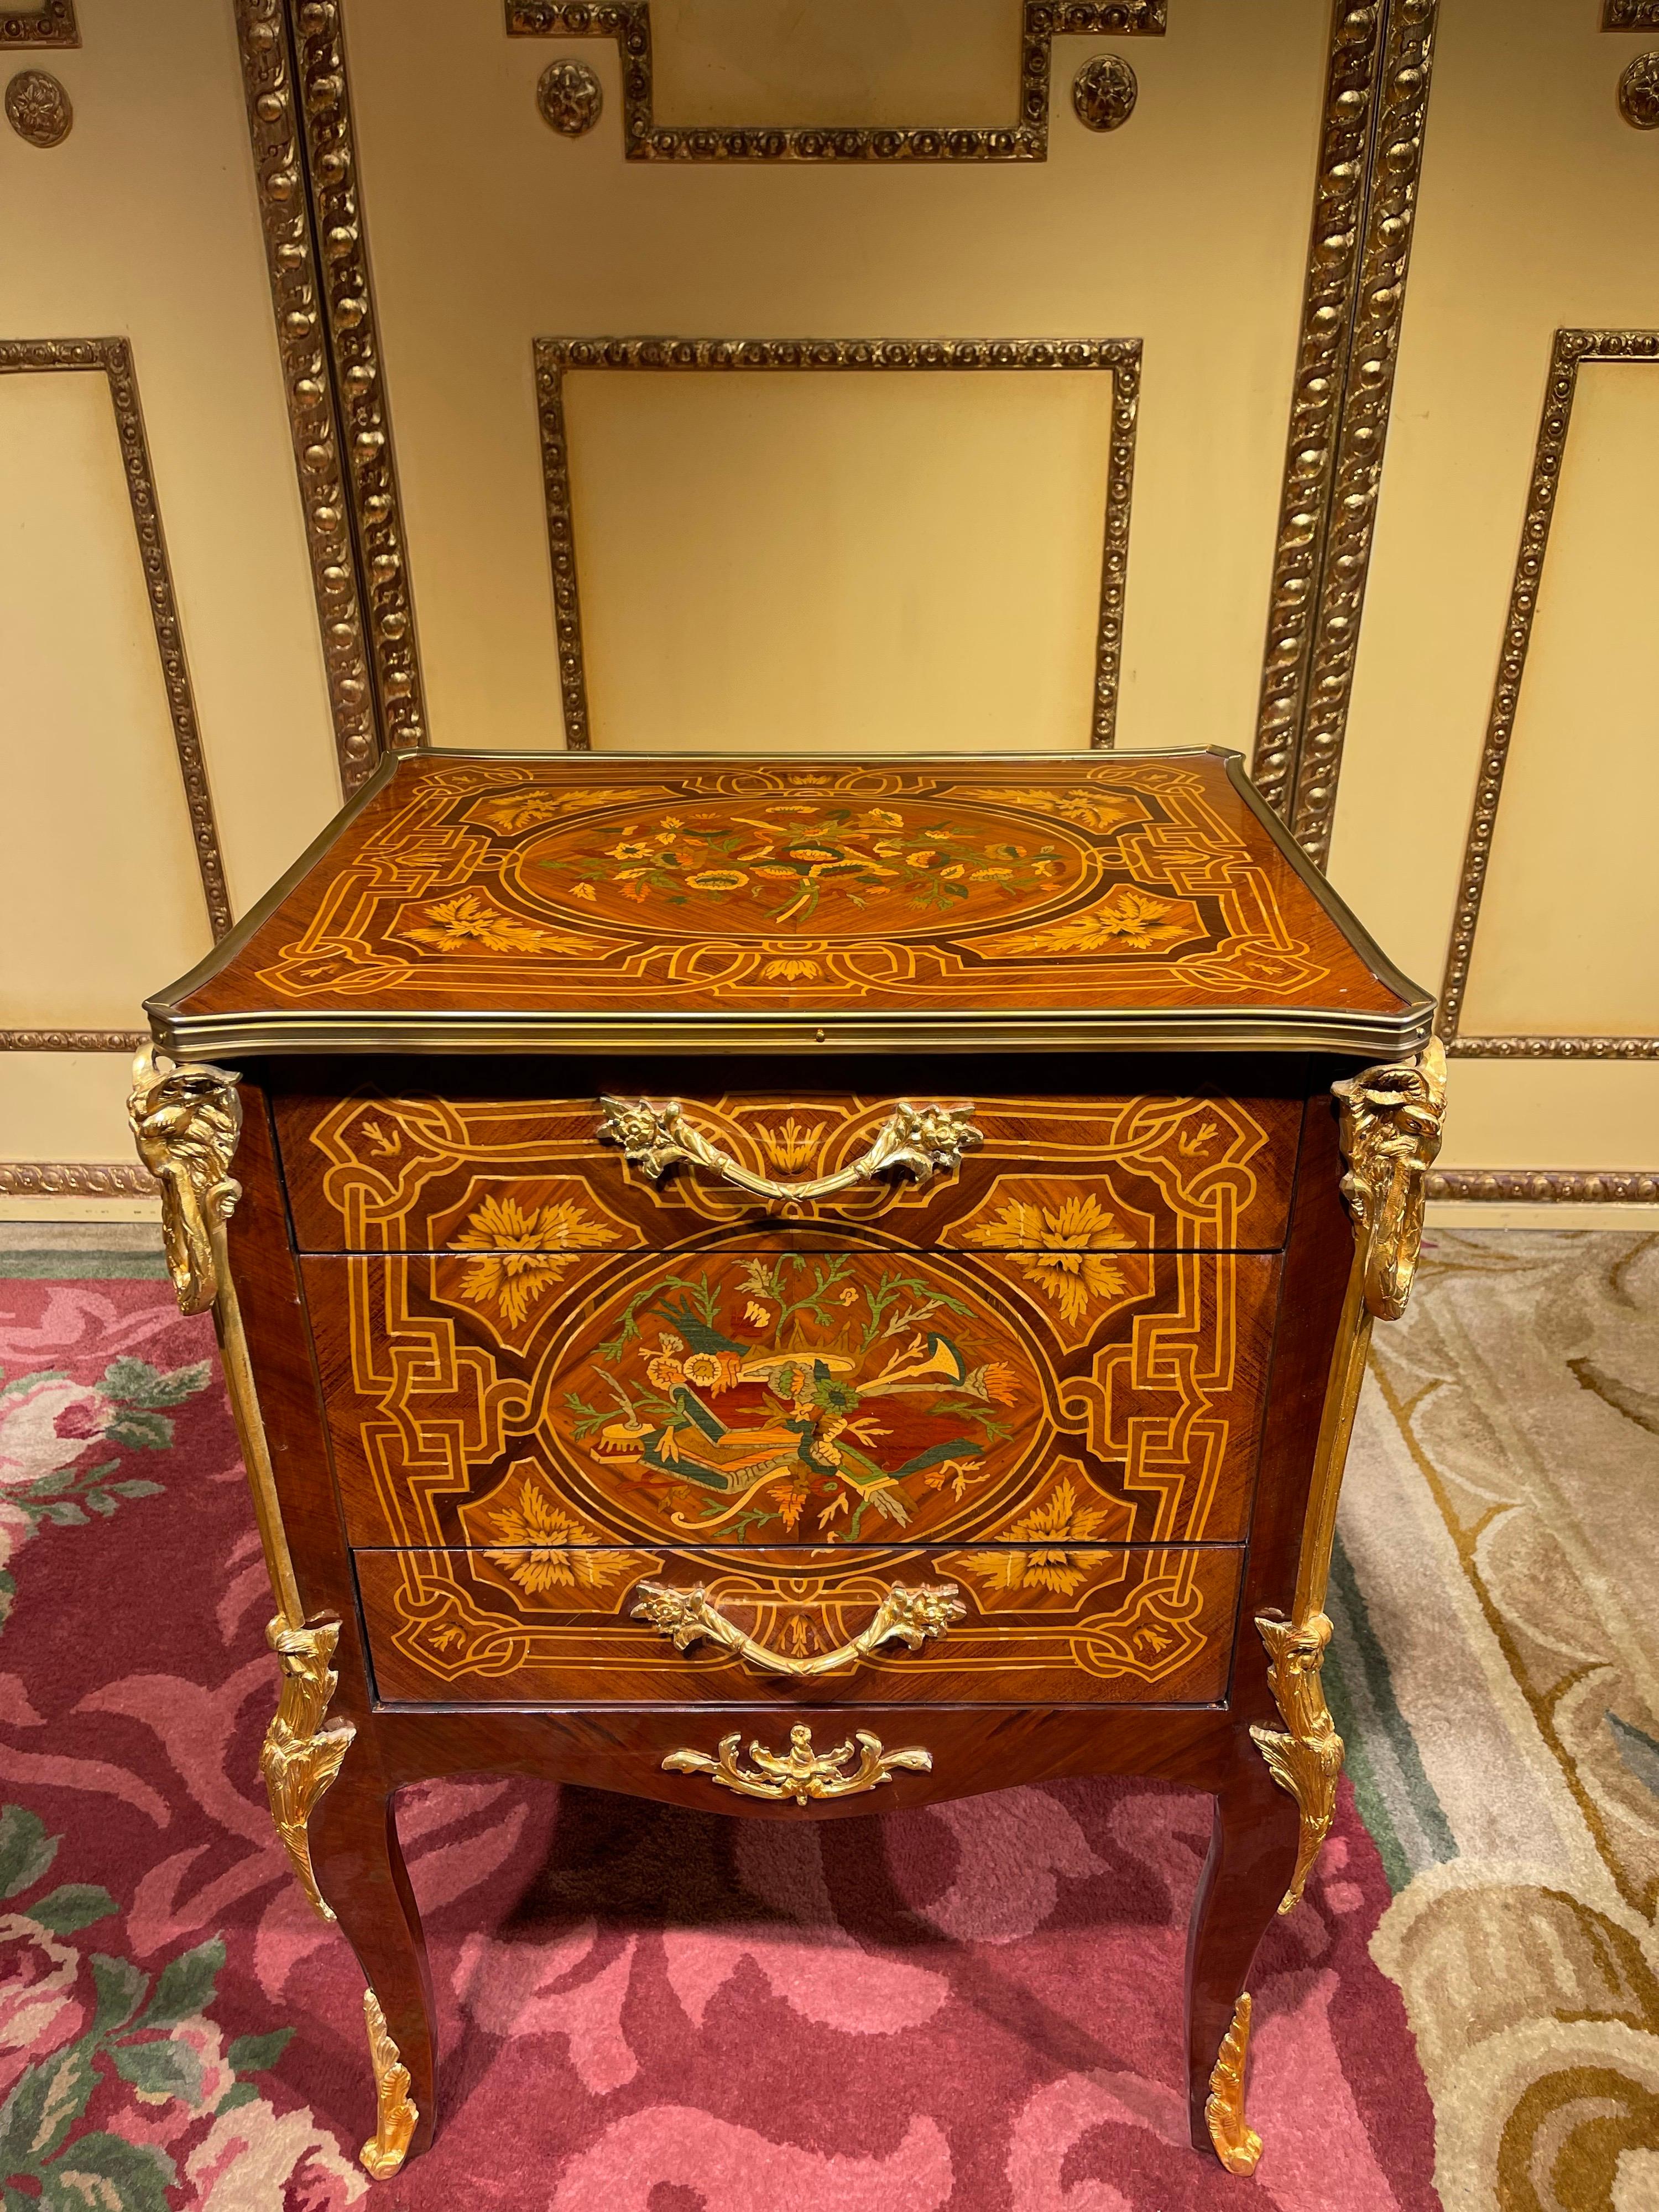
(556, 357)
(1286, 1028)
(1025, 138)
(112, 357)
(1375, 97)
(1570, 348)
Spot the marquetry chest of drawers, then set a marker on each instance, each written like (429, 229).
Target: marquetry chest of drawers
(754, 1283)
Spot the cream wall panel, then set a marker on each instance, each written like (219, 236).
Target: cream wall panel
(1551, 1114)
(100, 900)
(1525, 220)
(144, 223)
(1188, 229)
(64, 1106)
(937, 582)
(835, 61)
(1568, 942)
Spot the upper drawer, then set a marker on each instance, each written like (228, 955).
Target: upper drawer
(1153, 1172)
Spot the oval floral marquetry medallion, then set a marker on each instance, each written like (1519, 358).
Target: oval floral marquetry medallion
(825, 868)
(792, 1398)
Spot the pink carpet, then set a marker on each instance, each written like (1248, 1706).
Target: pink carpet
(975, 2006)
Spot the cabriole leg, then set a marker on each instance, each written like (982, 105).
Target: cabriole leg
(1253, 1854)
(360, 1869)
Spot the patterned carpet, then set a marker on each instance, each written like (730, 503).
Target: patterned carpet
(975, 2006)
(1497, 1610)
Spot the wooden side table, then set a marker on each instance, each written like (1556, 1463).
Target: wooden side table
(757, 1284)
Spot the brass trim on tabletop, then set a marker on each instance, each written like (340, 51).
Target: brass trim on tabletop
(112, 358)
(1177, 1029)
(1568, 349)
(1370, 155)
(1023, 139)
(305, 161)
(51, 24)
(555, 357)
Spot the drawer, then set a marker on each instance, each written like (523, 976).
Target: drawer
(768, 1397)
(1037, 1623)
(411, 1173)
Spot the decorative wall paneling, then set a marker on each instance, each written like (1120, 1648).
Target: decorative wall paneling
(554, 357)
(51, 24)
(1529, 273)
(76, 1179)
(143, 223)
(1370, 155)
(305, 160)
(152, 588)
(112, 358)
(386, 51)
(1570, 349)
(1025, 138)
(1544, 1186)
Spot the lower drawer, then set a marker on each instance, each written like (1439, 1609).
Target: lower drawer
(1042, 1622)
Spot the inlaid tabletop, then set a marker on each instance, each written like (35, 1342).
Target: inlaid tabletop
(479, 901)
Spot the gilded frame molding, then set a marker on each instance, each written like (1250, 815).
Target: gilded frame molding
(127, 1041)
(76, 1179)
(1569, 349)
(1548, 1186)
(1371, 155)
(111, 357)
(299, 108)
(1025, 139)
(1629, 14)
(53, 24)
(555, 357)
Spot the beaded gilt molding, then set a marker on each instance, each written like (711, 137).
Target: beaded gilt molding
(1569, 350)
(644, 139)
(111, 357)
(305, 161)
(51, 24)
(555, 357)
(1375, 97)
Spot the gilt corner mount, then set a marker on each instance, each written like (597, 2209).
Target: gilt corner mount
(1023, 139)
(555, 358)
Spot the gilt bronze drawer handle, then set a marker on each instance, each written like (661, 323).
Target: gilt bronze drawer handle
(800, 1772)
(922, 1141)
(904, 1616)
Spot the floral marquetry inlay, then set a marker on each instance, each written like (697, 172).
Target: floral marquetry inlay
(523, 1251)
(485, 897)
